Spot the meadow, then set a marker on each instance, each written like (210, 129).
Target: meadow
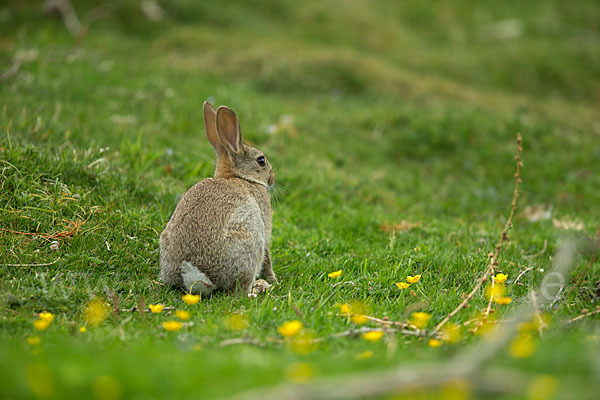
(392, 129)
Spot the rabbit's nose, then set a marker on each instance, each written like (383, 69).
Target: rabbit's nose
(271, 178)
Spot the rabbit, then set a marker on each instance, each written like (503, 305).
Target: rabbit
(219, 235)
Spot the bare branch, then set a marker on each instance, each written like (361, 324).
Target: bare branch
(493, 256)
(30, 265)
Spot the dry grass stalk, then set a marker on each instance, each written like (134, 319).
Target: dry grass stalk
(493, 256)
(75, 226)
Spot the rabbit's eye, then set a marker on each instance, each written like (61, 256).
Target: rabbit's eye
(261, 161)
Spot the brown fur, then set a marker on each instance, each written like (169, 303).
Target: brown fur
(222, 225)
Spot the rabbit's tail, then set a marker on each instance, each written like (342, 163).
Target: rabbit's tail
(194, 281)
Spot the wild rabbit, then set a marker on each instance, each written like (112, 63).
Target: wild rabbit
(220, 232)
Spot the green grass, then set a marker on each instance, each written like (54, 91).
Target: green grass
(370, 113)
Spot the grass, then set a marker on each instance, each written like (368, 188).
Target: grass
(371, 113)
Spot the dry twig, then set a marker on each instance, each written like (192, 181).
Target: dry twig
(242, 340)
(587, 314)
(31, 265)
(536, 311)
(74, 229)
(521, 274)
(493, 256)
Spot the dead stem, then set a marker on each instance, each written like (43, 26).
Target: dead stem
(31, 265)
(536, 311)
(75, 227)
(493, 256)
(521, 274)
(587, 314)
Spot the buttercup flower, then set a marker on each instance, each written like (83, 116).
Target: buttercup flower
(82, 329)
(403, 285)
(345, 309)
(413, 279)
(237, 322)
(522, 346)
(373, 336)
(335, 274)
(359, 319)
(41, 324)
(95, 312)
(434, 343)
(496, 292)
(299, 373)
(290, 328)
(46, 316)
(303, 343)
(503, 300)
(182, 315)
(542, 387)
(191, 298)
(500, 278)
(172, 326)
(34, 340)
(364, 355)
(420, 319)
(451, 333)
(156, 308)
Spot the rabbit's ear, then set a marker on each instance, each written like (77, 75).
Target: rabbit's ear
(228, 129)
(210, 124)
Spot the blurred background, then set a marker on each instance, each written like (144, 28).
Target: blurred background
(412, 83)
(407, 49)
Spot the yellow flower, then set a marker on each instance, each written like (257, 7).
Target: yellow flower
(413, 279)
(486, 328)
(41, 324)
(191, 298)
(39, 379)
(456, 389)
(95, 312)
(335, 274)
(237, 322)
(345, 309)
(34, 340)
(503, 300)
(82, 329)
(500, 278)
(542, 387)
(46, 316)
(304, 343)
(451, 333)
(290, 328)
(496, 292)
(522, 346)
(359, 319)
(364, 355)
(299, 373)
(373, 336)
(403, 285)
(156, 308)
(182, 315)
(172, 326)
(434, 343)
(420, 319)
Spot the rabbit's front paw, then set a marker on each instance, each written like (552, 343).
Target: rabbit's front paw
(259, 286)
